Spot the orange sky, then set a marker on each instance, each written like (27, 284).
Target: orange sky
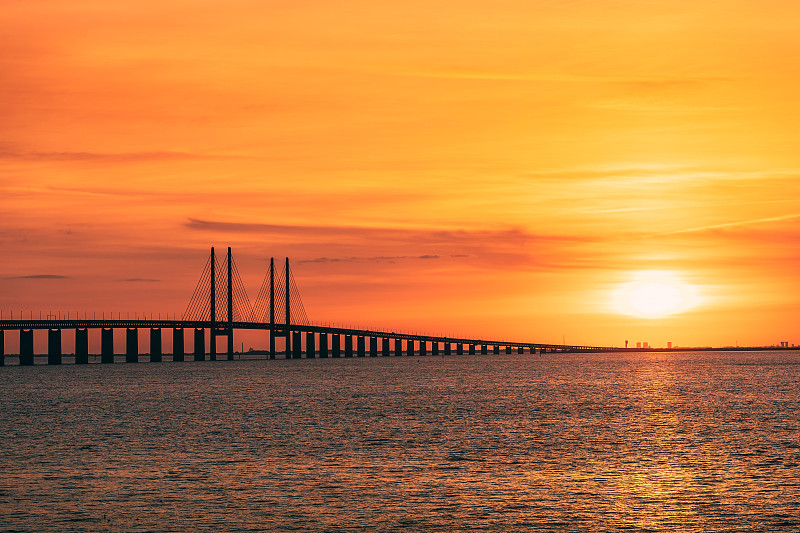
(491, 169)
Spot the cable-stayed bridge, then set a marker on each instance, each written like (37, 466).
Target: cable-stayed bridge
(220, 306)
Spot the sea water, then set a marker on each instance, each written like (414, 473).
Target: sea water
(697, 441)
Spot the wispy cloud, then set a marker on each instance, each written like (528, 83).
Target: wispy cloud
(122, 157)
(376, 259)
(428, 236)
(39, 276)
(737, 224)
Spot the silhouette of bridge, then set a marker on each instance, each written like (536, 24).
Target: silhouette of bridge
(219, 306)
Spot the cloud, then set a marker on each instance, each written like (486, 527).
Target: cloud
(123, 157)
(737, 224)
(376, 259)
(507, 249)
(39, 276)
(515, 235)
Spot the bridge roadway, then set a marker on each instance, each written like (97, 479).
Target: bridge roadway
(316, 340)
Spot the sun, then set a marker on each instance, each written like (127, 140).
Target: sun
(655, 294)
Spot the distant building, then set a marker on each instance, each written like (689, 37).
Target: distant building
(638, 344)
(645, 345)
(669, 346)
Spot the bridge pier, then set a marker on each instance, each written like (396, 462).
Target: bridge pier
(520, 350)
(472, 349)
(155, 345)
(496, 349)
(385, 345)
(360, 346)
(448, 348)
(178, 347)
(398, 347)
(25, 347)
(107, 345)
(272, 344)
(199, 344)
(484, 349)
(297, 344)
(323, 345)
(348, 346)
(131, 345)
(336, 345)
(508, 349)
(230, 344)
(81, 346)
(311, 349)
(459, 348)
(423, 347)
(53, 346)
(435, 348)
(373, 346)
(410, 347)
(2, 347)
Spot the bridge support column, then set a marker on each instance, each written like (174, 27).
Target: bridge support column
(297, 344)
(155, 345)
(2, 347)
(230, 344)
(496, 349)
(484, 349)
(361, 346)
(336, 345)
(520, 350)
(131, 345)
(410, 347)
(385, 347)
(373, 346)
(448, 348)
(178, 347)
(472, 349)
(348, 346)
(311, 348)
(271, 344)
(423, 347)
(323, 345)
(199, 344)
(81, 346)
(53, 346)
(25, 347)
(398, 347)
(107, 345)
(459, 349)
(435, 348)
(508, 349)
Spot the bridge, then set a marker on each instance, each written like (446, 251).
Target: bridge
(219, 306)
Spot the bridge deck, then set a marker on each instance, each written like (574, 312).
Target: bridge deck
(187, 324)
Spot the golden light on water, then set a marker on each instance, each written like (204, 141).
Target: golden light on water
(655, 294)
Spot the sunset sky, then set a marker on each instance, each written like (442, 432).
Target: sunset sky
(491, 169)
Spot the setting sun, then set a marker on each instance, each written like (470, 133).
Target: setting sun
(654, 294)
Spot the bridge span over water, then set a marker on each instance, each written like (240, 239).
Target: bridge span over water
(219, 307)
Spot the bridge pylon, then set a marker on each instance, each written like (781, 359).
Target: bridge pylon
(279, 299)
(219, 299)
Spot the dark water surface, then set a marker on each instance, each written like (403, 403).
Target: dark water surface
(679, 441)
